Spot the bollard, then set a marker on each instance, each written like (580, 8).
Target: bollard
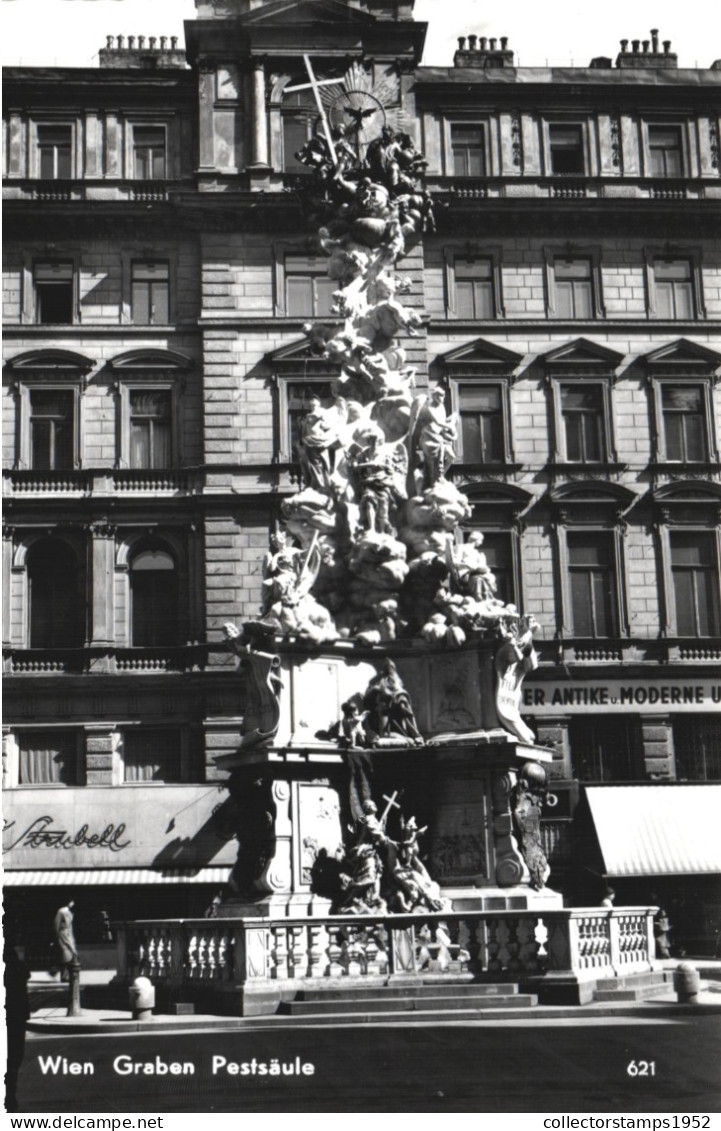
(74, 1009)
(142, 999)
(686, 982)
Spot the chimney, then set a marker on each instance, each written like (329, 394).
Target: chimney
(482, 53)
(645, 53)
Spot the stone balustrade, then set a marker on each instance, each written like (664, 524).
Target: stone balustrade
(576, 945)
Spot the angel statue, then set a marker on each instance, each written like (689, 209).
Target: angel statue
(433, 434)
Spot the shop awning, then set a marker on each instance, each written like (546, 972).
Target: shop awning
(657, 830)
(82, 877)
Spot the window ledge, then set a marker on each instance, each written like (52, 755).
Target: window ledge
(586, 470)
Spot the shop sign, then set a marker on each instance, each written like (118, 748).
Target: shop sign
(640, 695)
(171, 827)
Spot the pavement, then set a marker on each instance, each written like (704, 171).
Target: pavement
(51, 1018)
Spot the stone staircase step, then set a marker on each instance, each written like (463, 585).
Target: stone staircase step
(381, 1016)
(448, 1007)
(425, 990)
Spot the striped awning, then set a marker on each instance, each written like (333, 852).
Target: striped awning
(657, 830)
(83, 877)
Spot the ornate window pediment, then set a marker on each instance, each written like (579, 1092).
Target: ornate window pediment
(481, 354)
(684, 358)
(290, 12)
(582, 356)
(591, 499)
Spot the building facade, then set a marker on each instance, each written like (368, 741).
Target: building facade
(159, 271)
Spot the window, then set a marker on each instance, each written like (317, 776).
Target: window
(150, 293)
(153, 599)
(468, 151)
(674, 288)
(149, 160)
(152, 755)
(594, 607)
(52, 429)
(308, 288)
(54, 292)
(481, 413)
(49, 757)
(299, 115)
(606, 749)
(55, 146)
(151, 428)
(298, 397)
(565, 146)
(683, 410)
(665, 151)
(573, 287)
(697, 744)
(583, 411)
(57, 613)
(474, 288)
(695, 583)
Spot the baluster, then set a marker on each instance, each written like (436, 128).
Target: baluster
(335, 952)
(381, 939)
(192, 956)
(371, 953)
(493, 947)
(297, 958)
(513, 946)
(152, 945)
(212, 959)
(445, 955)
(202, 955)
(280, 953)
(317, 945)
(527, 945)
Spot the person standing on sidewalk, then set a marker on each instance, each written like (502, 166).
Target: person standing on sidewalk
(65, 937)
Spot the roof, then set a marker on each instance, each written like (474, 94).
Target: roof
(659, 830)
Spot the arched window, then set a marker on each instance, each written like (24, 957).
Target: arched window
(153, 598)
(57, 612)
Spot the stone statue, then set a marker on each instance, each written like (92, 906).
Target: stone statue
(526, 806)
(363, 892)
(469, 568)
(390, 714)
(254, 644)
(514, 659)
(65, 938)
(373, 473)
(319, 441)
(408, 874)
(433, 438)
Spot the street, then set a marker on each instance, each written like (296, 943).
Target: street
(532, 1065)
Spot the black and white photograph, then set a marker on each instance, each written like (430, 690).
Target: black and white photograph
(361, 561)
